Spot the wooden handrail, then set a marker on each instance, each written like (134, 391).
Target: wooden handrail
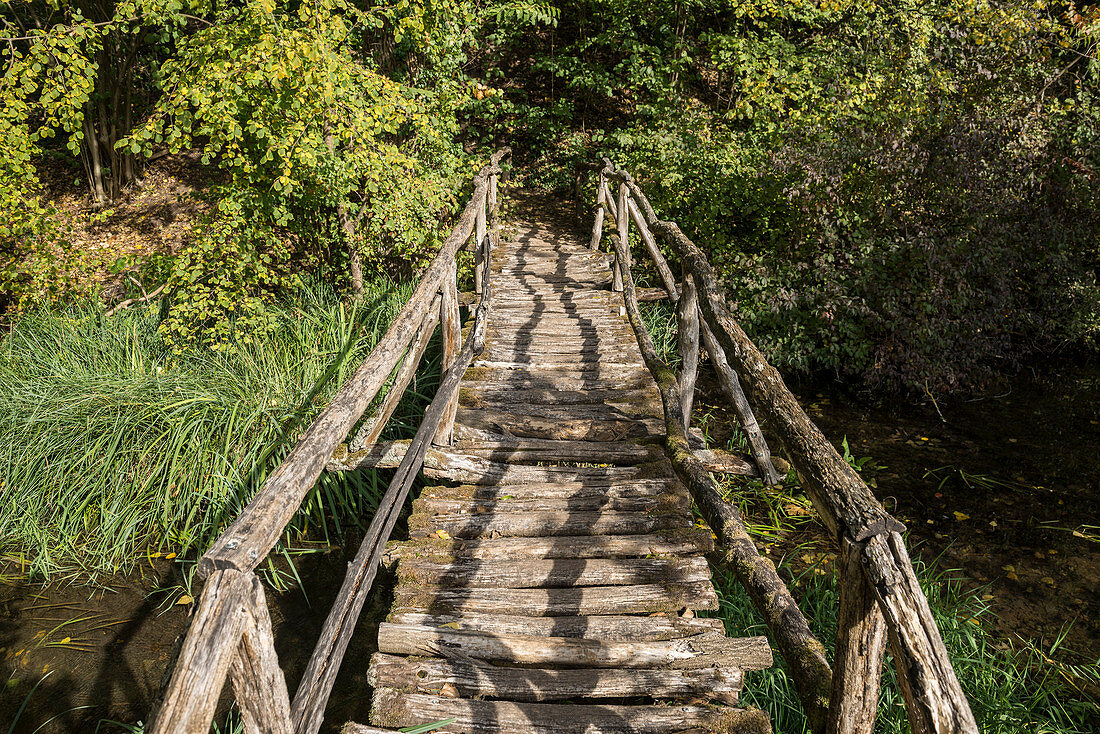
(789, 628)
(252, 535)
(866, 532)
(231, 633)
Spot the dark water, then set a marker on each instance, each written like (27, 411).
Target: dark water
(1006, 490)
(106, 662)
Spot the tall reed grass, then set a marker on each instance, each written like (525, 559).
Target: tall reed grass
(112, 447)
(1011, 690)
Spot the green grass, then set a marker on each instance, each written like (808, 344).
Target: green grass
(1011, 691)
(111, 447)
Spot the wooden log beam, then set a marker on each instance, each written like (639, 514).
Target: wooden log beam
(372, 427)
(934, 698)
(395, 708)
(803, 652)
(603, 627)
(248, 540)
(208, 651)
(258, 683)
(324, 664)
(705, 650)
(477, 679)
(860, 647)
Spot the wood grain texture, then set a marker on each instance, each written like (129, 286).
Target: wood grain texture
(393, 708)
(602, 627)
(582, 601)
(258, 682)
(706, 650)
(860, 647)
(478, 679)
(208, 651)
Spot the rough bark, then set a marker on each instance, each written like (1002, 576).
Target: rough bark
(804, 654)
(860, 647)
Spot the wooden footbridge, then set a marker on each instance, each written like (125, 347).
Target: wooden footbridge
(554, 566)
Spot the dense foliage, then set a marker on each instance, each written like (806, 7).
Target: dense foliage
(901, 192)
(905, 193)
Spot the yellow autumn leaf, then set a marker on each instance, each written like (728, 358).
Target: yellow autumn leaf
(185, 599)
(960, 516)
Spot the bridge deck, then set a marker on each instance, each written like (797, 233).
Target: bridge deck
(555, 587)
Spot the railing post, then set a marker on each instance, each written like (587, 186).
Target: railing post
(860, 646)
(258, 682)
(479, 234)
(623, 225)
(687, 339)
(597, 228)
(451, 328)
(208, 651)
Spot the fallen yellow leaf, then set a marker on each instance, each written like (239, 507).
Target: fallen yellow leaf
(960, 516)
(442, 535)
(185, 599)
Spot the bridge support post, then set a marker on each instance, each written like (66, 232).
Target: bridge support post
(687, 341)
(451, 326)
(860, 647)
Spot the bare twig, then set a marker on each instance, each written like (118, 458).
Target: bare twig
(131, 301)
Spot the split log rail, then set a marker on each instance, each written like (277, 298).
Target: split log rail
(231, 633)
(880, 597)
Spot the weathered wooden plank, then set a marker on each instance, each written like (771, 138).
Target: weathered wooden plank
(707, 650)
(584, 601)
(860, 647)
(473, 395)
(582, 503)
(462, 466)
(475, 424)
(208, 651)
(258, 682)
(685, 541)
(650, 487)
(392, 708)
(602, 627)
(535, 450)
(475, 470)
(476, 679)
(555, 573)
(537, 524)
